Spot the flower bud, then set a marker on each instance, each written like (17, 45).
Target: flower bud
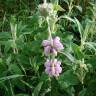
(45, 9)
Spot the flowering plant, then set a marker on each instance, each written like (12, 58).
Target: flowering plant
(47, 48)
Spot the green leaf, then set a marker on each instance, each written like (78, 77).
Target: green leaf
(67, 17)
(55, 2)
(79, 8)
(82, 93)
(92, 60)
(14, 68)
(37, 89)
(26, 83)
(77, 52)
(5, 35)
(79, 26)
(7, 45)
(68, 79)
(10, 77)
(69, 56)
(91, 45)
(44, 77)
(91, 88)
(22, 95)
(58, 8)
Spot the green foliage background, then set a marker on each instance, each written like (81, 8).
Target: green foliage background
(21, 53)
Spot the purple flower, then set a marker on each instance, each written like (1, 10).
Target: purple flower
(52, 46)
(52, 67)
(57, 44)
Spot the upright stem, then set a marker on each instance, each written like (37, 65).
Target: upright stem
(53, 81)
(50, 37)
(14, 36)
(70, 7)
(45, 1)
(54, 87)
(49, 30)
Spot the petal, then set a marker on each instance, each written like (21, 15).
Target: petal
(58, 62)
(57, 44)
(48, 70)
(57, 38)
(46, 43)
(58, 69)
(52, 70)
(47, 63)
(52, 67)
(47, 50)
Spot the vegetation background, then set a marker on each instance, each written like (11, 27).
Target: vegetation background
(21, 53)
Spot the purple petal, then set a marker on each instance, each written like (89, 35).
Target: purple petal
(52, 70)
(58, 62)
(58, 69)
(46, 43)
(48, 70)
(57, 38)
(52, 67)
(47, 50)
(57, 44)
(47, 63)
